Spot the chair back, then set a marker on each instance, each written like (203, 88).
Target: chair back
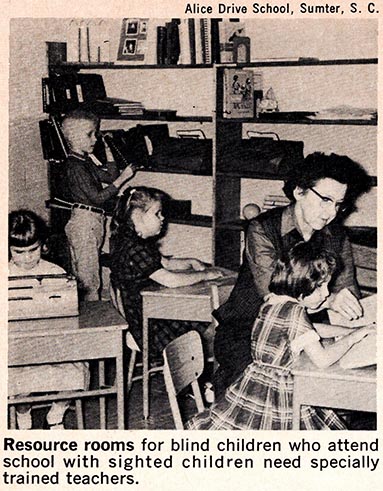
(183, 364)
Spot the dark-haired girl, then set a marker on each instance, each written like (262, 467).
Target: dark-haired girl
(26, 237)
(261, 399)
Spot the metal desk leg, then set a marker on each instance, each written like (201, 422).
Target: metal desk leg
(145, 365)
(102, 401)
(79, 414)
(120, 386)
(12, 417)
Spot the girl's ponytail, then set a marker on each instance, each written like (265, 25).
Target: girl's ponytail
(121, 210)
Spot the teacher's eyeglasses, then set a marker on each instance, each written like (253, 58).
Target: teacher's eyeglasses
(328, 203)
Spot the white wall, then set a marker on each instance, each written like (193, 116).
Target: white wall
(320, 38)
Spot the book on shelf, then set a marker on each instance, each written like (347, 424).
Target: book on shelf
(238, 97)
(198, 42)
(273, 200)
(173, 42)
(191, 25)
(185, 43)
(161, 44)
(215, 48)
(168, 43)
(112, 105)
(206, 40)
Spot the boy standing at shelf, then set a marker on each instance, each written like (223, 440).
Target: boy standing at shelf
(84, 189)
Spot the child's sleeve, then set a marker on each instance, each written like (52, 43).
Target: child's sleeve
(133, 261)
(299, 343)
(108, 173)
(85, 191)
(303, 333)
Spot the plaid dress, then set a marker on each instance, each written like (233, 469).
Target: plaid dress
(261, 398)
(132, 261)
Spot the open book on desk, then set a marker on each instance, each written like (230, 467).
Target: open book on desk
(363, 353)
(368, 317)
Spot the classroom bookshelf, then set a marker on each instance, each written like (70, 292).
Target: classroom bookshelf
(297, 82)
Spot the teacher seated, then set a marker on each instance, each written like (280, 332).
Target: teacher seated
(323, 190)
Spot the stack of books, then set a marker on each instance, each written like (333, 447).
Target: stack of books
(113, 105)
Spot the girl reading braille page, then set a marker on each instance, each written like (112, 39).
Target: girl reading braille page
(261, 398)
(27, 234)
(136, 262)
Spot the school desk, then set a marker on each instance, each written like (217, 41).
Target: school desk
(100, 335)
(333, 387)
(187, 303)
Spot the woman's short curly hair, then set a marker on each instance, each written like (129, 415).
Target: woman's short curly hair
(318, 166)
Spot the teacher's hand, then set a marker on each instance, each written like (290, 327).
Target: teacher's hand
(345, 303)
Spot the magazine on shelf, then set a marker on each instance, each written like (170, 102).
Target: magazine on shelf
(238, 91)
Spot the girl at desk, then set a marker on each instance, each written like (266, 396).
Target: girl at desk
(261, 398)
(136, 262)
(27, 235)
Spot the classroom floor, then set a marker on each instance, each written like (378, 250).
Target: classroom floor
(160, 413)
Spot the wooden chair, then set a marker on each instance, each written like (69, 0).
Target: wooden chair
(218, 294)
(183, 364)
(115, 296)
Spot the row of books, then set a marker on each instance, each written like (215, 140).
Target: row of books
(197, 41)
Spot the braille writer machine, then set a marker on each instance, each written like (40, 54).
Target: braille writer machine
(51, 300)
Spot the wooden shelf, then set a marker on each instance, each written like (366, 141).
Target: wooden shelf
(169, 170)
(193, 220)
(237, 225)
(250, 175)
(302, 62)
(197, 119)
(254, 64)
(121, 66)
(350, 122)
